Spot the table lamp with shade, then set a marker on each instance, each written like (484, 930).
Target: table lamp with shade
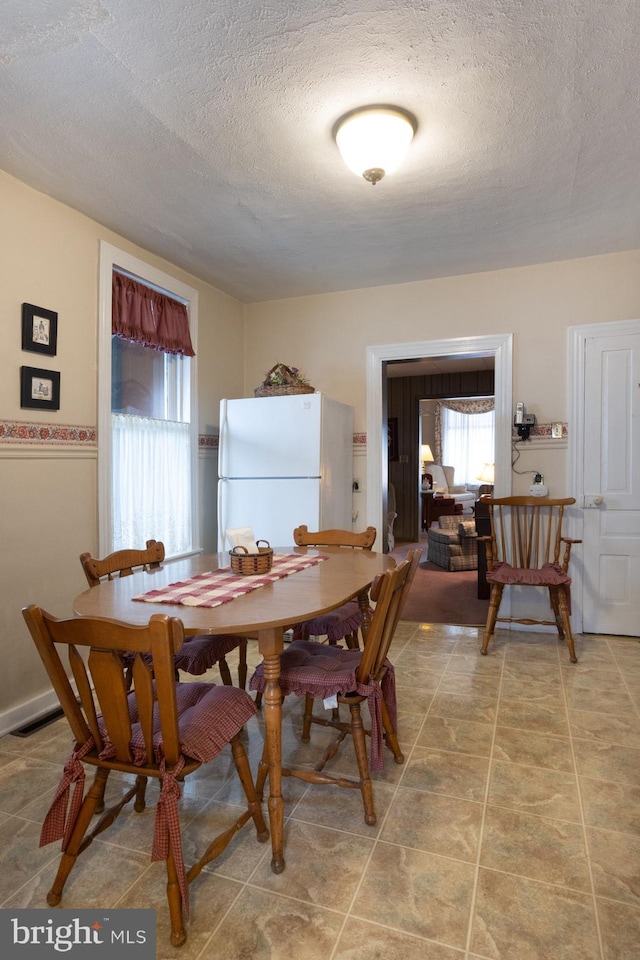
(487, 476)
(426, 456)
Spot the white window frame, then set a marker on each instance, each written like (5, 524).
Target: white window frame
(111, 257)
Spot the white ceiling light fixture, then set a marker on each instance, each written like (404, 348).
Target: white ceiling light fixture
(374, 140)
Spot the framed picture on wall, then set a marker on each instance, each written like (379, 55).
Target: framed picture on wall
(39, 329)
(39, 389)
(393, 438)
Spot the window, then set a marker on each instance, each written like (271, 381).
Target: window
(147, 428)
(150, 437)
(468, 442)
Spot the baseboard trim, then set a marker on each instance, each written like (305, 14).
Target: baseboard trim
(28, 713)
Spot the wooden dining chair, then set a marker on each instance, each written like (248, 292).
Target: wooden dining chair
(351, 676)
(524, 549)
(200, 652)
(413, 556)
(158, 728)
(345, 622)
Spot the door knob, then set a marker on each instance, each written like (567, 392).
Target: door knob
(592, 502)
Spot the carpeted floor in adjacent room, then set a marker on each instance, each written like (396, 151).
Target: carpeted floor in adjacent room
(442, 596)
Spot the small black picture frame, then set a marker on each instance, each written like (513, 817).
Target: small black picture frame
(39, 329)
(39, 389)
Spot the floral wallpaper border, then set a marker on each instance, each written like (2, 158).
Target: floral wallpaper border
(18, 431)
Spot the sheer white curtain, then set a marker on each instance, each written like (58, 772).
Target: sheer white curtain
(152, 502)
(468, 442)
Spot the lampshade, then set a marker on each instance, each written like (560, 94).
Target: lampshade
(425, 453)
(373, 141)
(487, 474)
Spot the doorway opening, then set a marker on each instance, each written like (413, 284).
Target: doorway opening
(500, 346)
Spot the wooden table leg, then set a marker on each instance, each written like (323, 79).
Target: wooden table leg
(270, 644)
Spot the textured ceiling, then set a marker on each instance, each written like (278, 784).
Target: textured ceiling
(201, 130)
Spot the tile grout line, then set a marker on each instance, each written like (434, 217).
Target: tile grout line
(485, 804)
(582, 814)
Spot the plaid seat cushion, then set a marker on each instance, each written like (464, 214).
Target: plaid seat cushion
(308, 668)
(198, 654)
(208, 717)
(334, 625)
(548, 575)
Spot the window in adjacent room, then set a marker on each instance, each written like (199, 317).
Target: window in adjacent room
(468, 437)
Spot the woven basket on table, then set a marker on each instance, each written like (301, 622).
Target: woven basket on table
(251, 563)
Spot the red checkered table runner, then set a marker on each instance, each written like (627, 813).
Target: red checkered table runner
(215, 587)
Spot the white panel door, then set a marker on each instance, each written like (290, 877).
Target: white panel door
(612, 485)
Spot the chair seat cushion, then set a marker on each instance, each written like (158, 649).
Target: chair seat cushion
(548, 575)
(335, 625)
(198, 654)
(313, 669)
(209, 716)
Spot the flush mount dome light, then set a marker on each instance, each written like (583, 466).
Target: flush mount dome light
(374, 140)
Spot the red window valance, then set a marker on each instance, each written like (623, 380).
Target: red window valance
(147, 316)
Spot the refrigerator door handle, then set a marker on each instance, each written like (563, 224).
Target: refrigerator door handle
(222, 444)
(221, 519)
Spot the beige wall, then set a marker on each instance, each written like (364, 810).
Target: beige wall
(48, 511)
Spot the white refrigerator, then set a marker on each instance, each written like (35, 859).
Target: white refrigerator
(284, 461)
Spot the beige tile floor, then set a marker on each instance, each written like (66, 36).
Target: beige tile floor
(511, 832)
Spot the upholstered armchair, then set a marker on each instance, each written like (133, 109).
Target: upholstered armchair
(453, 543)
(444, 485)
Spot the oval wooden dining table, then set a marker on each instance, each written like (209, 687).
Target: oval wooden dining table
(263, 614)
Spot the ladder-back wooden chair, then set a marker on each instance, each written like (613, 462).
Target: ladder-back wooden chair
(200, 652)
(345, 622)
(526, 548)
(312, 670)
(158, 728)
(413, 557)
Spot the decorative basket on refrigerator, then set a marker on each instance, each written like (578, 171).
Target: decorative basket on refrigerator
(283, 381)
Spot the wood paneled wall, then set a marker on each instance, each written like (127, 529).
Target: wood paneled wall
(403, 403)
